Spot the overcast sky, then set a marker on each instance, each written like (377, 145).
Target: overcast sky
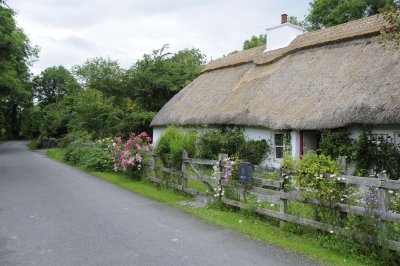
(70, 31)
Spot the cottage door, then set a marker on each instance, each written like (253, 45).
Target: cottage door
(309, 141)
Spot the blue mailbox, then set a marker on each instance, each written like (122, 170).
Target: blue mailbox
(245, 173)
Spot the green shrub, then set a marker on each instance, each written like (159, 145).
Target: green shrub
(336, 142)
(134, 122)
(97, 159)
(33, 144)
(75, 138)
(77, 145)
(171, 145)
(377, 154)
(224, 140)
(254, 151)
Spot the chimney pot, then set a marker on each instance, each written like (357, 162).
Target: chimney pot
(283, 18)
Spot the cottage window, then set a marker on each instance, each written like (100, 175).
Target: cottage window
(379, 137)
(279, 145)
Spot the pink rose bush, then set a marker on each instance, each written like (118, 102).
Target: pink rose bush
(128, 156)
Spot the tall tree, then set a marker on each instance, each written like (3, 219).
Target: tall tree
(15, 55)
(103, 74)
(327, 13)
(155, 79)
(254, 41)
(295, 21)
(53, 84)
(392, 34)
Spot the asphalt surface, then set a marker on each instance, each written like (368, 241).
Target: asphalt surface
(54, 214)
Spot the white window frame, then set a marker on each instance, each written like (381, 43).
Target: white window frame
(278, 146)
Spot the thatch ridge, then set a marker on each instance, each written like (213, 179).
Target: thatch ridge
(365, 27)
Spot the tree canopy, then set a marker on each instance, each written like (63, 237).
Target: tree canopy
(53, 84)
(103, 74)
(15, 55)
(327, 13)
(254, 41)
(155, 79)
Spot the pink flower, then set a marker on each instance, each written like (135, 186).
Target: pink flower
(115, 167)
(128, 144)
(118, 139)
(148, 139)
(132, 134)
(137, 146)
(138, 158)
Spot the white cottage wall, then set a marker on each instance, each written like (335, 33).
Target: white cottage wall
(157, 132)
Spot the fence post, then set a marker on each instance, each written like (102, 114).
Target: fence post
(184, 170)
(153, 164)
(342, 163)
(221, 159)
(342, 214)
(283, 202)
(383, 202)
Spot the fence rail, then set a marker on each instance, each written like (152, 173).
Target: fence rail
(275, 191)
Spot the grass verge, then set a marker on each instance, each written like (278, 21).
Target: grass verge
(33, 144)
(254, 227)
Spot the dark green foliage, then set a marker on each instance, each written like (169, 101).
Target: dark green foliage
(15, 56)
(53, 84)
(230, 140)
(255, 41)
(97, 159)
(102, 74)
(376, 154)
(295, 21)
(254, 151)
(138, 121)
(391, 37)
(171, 145)
(327, 13)
(223, 140)
(156, 78)
(83, 152)
(336, 142)
(31, 121)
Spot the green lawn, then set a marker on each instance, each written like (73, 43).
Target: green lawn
(306, 242)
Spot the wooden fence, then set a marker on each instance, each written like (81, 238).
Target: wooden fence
(275, 191)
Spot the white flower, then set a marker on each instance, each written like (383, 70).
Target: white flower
(272, 205)
(331, 232)
(240, 221)
(390, 191)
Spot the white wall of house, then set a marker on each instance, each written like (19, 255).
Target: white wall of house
(295, 143)
(282, 35)
(157, 132)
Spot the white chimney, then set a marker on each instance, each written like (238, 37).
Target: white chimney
(282, 35)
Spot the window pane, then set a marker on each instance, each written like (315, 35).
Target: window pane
(279, 139)
(279, 152)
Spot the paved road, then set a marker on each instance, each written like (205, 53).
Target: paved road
(53, 214)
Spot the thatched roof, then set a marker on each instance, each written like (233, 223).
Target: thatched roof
(323, 79)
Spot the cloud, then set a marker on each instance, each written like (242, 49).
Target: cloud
(71, 31)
